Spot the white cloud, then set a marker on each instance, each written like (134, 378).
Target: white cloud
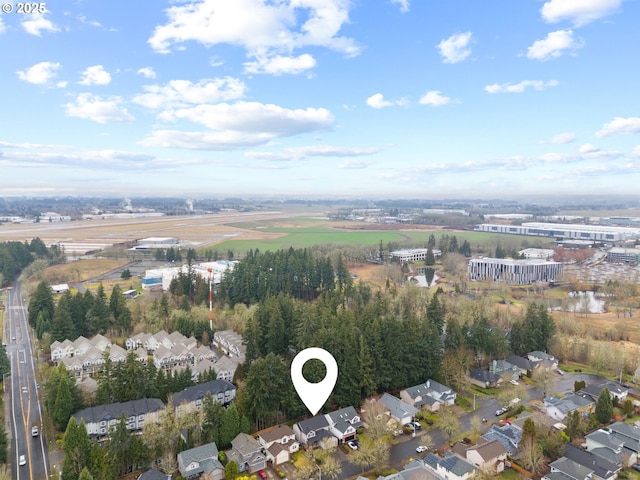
(40, 73)
(589, 148)
(434, 98)
(36, 24)
(147, 72)
(636, 152)
(354, 164)
(377, 101)
(181, 93)
(260, 26)
(3, 27)
(99, 110)
(278, 65)
(554, 45)
(580, 12)
(620, 125)
(95, 75)
(254, 117)
(455, 48)
(403, 4)
(300, 153)
(520, 87)
(62, 84)
(561, 138)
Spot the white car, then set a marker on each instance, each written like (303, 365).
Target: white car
(22, 461)
(421, 448)
(513, 382)
(352, 445)
(34, 432)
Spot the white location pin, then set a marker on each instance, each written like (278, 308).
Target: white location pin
(313, 395)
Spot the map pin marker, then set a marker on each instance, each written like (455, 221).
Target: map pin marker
(313, 395)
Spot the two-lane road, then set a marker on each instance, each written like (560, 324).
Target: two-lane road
(26, 410)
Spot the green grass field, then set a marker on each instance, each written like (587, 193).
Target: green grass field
(298, 235)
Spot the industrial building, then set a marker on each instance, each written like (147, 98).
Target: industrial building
(162, 277)
(630, 256)
(414, 254)
(157, 243)
(514, 272)
(600, 233)
(539, 253)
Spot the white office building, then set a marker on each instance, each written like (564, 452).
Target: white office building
(414, 254)
(514, 272)
(600, 233)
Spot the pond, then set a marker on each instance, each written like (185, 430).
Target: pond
(580, 302)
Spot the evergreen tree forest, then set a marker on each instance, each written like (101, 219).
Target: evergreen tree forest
(15, 256)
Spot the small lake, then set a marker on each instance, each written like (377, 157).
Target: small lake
(579, 302)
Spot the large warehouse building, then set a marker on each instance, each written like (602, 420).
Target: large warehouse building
(514, 272)
(599, 233)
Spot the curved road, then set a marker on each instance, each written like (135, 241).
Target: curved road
(24, 402)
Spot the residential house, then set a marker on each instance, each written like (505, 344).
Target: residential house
(248, 453)
(230, 343)
(201, 462)
(487, 455)
(101, 418)
(397, 409)
(191, 398)
(524, 365)
(618, 392)
(549, 360)
(279, 443)
(630, 435)
(314, 432)
(225, 368)
(73, 365)
(558, 408)
(450, 467)
(603, 469)
(62, 349)
(414, 470)
(153, 474)
(484, 378)
(508, 435)
(605, 444)
(343, 423)
(565, 468)
(507, 371)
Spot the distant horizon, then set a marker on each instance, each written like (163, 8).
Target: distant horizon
(387, 98)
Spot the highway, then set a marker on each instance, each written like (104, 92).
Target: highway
(24, 409)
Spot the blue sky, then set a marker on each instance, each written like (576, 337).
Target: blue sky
(379, 98)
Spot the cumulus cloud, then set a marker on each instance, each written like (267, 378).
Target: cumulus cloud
(403, 4)
(93, 107)
(262, 27)
(377, 101)
(278, 65)
(180, 93)
(40, 73)
(3, 27)
(434, 98)
(619, 125)
(580, 12)
(95, 75)
(238, 125)
(589, 148)
(561, 138)
(520, 87)
(455, 48)
(554, 45)
(36, 24)
(300, 153)
(147, 72)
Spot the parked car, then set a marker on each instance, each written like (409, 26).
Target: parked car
(559, 372)
(500, 411)
(397, 432)
(421, 448)
(513, 382)
(352, 445)
(416, 425)
(262, 474)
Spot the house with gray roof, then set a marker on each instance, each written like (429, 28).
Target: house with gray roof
(505, 370)
(524, 364)
(487, 455)
(191, 398)
(538, 356)
(603, 469)
(201, 462)
(100, 419)
(314, 432)
(343, 423)
(400, 411)
(559, 407)
(154, 474)
(618, 392)
(225, 368)
(430, 395)
(571, 469)
(484, 378)
(415, 470)
(508, 435)
(450, 466)
(603, 439)
(247, 452)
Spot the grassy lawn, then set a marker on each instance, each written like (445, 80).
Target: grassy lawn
(509, 474)
(81, 270)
